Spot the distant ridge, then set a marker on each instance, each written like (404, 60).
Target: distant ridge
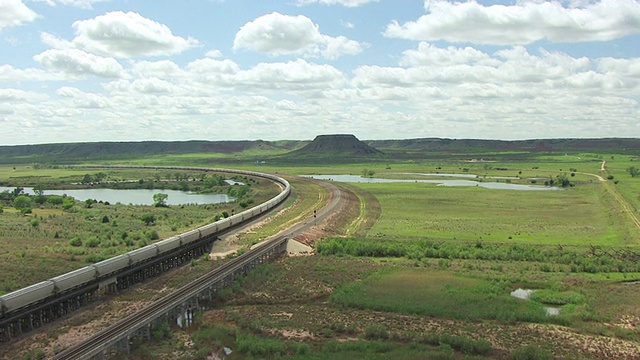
(97, 149)
(338, 144)
(324, 148)
(620, 145)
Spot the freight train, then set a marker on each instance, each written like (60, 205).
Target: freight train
(45, 291)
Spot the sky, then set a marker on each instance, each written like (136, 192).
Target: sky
(166, 70)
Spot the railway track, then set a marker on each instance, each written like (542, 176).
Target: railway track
(101, 341)
(107, 337)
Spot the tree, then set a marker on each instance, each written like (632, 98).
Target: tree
(22, 202)
(68, 203)
(368, 173)
(148, 218)
(39, 189)
(160, 200)
(17, 191)
(633, 171)
(87, 179)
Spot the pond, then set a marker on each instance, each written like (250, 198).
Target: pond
(440, 182)
(464, 176)
(135, 196)
(525, 294)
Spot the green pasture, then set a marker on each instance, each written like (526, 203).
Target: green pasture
(577, 216)
(438, 294)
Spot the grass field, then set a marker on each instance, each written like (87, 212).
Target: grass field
(439, 294)
(439, 289)
(574, 216)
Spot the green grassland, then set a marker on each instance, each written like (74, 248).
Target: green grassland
(571, 217)
(431, 277)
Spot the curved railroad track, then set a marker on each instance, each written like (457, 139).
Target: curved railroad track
(98, 342)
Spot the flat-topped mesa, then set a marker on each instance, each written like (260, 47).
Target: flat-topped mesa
(337, 144)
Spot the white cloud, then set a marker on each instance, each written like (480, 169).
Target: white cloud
(152, 86)
(347, 3)
(83, 4)
(12, 96)
(348, 24)
(8, 74)
(128, 34)
(428, 54)
(523, 23)
(213, 54)
(83, 100)
(293, 75)
(78, 63)
(15, 13)
(278, 34)
(162, 69)
(208, 65)
(55, 41)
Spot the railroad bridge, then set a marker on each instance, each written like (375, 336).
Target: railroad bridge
(43, 303)
(115, 340)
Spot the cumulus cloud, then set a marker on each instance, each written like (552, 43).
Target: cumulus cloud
(432, 65)
(428, 54)
(79, 63)
(208, 65)
(83, 100)
(128, 34)
(278, 34)
(161, 69)
(9, 73)
(55, 41)
(523, 23)
(12, 96)
(347, 3)
(213, 54)
(14, 13)
(293, 75)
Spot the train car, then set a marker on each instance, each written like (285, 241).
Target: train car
(27, 296)
(112, 265)
(168, 244)
(224, 224)
(209, 229)
(74, 279)
(190, 236)
(143, 254)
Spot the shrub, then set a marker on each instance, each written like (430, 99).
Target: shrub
(148, 218)
(68, 203)
(105, 219)
(260, 347)
(92, 242)
(75, 241)
(376, 331)
(530, 352)
(161, 332)
(152, 235)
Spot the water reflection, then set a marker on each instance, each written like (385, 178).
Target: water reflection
(135, 196)
(525, 294)
(441, 182)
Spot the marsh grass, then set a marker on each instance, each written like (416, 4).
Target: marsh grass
(439, 294)
(573, 259)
